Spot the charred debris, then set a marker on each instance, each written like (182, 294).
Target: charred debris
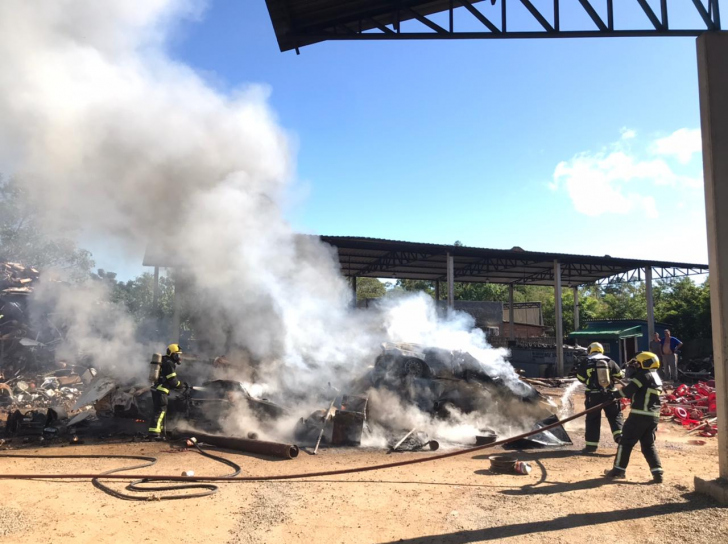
(46, 398)
(441, 384)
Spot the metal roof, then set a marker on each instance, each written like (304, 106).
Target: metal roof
(609, 332)
(294, 19)
(378, 258)
(298, 23)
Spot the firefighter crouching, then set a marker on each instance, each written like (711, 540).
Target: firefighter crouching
(644, 389)
(599, 373)
(166, 381)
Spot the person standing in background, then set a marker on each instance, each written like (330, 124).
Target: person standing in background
(656, 347)
(670, 346)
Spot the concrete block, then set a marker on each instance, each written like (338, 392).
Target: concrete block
(717, 489)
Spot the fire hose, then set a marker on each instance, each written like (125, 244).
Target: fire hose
(139, 486)
(233, 478)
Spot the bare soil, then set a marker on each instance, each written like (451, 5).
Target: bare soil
(451, 501)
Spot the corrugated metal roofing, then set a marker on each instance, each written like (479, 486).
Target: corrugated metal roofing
(395, 259)
(379, 258)
(292, 19)
(608, 332)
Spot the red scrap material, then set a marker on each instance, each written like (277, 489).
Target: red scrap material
(689, 405)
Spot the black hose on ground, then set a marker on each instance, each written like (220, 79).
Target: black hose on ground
(230, 479)
(139, 486)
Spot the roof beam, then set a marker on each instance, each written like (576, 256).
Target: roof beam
(537, 15)
(586, 4)
(704, 13)
(651, 15)
(425, 21)
(392, 260)
(479, 16)
(381, 27)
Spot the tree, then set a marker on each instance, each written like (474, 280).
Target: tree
(138, 296)
(369, 288)
(23, 238)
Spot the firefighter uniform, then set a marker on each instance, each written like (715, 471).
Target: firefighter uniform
(644, 389)
(599, 373)
(166, 381)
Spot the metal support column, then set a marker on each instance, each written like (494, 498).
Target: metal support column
(437, 290)
(511, 314)
(353, 291)
(559, 320)
(155, 293)
(576, 307)
(650, 305)
(450, 281)
(176, 310)
(713, 85)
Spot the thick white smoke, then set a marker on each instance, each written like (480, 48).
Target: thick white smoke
(113, 137)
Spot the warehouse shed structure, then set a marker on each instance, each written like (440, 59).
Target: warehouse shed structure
(447, 264)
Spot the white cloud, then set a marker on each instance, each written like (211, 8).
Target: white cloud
(682, 144)
(617, 180)
(628, 133)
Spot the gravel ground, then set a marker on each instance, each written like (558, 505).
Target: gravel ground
(452, 501)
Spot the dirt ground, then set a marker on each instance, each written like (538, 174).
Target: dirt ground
(452, 501)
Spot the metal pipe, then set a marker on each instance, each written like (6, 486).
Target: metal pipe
(450, 281)
(650, 306)
(511, 314)
(559, 321)
(273, 449)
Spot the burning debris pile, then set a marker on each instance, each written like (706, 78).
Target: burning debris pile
(31, 379)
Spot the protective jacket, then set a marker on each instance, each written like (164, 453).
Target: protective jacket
(167, 377)
(644, 390)
(596, 366)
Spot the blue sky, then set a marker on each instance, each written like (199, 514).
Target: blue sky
(578, 146)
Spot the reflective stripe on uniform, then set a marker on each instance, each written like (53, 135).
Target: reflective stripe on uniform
(592, 443)
(659, 469)
(158, 428)
(580, 378)
(615, 433)
(650, 391)
(172, 375)
(162, 389)
(645, 413)
(639, 383)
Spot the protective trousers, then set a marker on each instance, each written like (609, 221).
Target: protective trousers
(642, 429)
(159, 400)
(594, 419)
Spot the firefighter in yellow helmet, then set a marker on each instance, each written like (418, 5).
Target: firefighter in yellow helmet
(166, 381)
(644, 389)
(599, 374)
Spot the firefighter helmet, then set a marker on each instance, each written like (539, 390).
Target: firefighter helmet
(174, 352)
(647, 360)
(595, 347)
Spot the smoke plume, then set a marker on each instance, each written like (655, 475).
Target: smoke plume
(115, 138)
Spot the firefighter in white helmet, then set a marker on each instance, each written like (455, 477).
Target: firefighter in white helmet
(599, 373)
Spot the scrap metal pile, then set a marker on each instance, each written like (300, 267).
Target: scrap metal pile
(440, 384)
(694, 407)
(35, 387)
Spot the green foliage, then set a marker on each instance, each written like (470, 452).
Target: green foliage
(369, 288)
(23, 239)
(138, 296)
(682, 303)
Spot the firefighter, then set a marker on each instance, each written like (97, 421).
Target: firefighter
(599, 373)
(166, 381)
(644, 389)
